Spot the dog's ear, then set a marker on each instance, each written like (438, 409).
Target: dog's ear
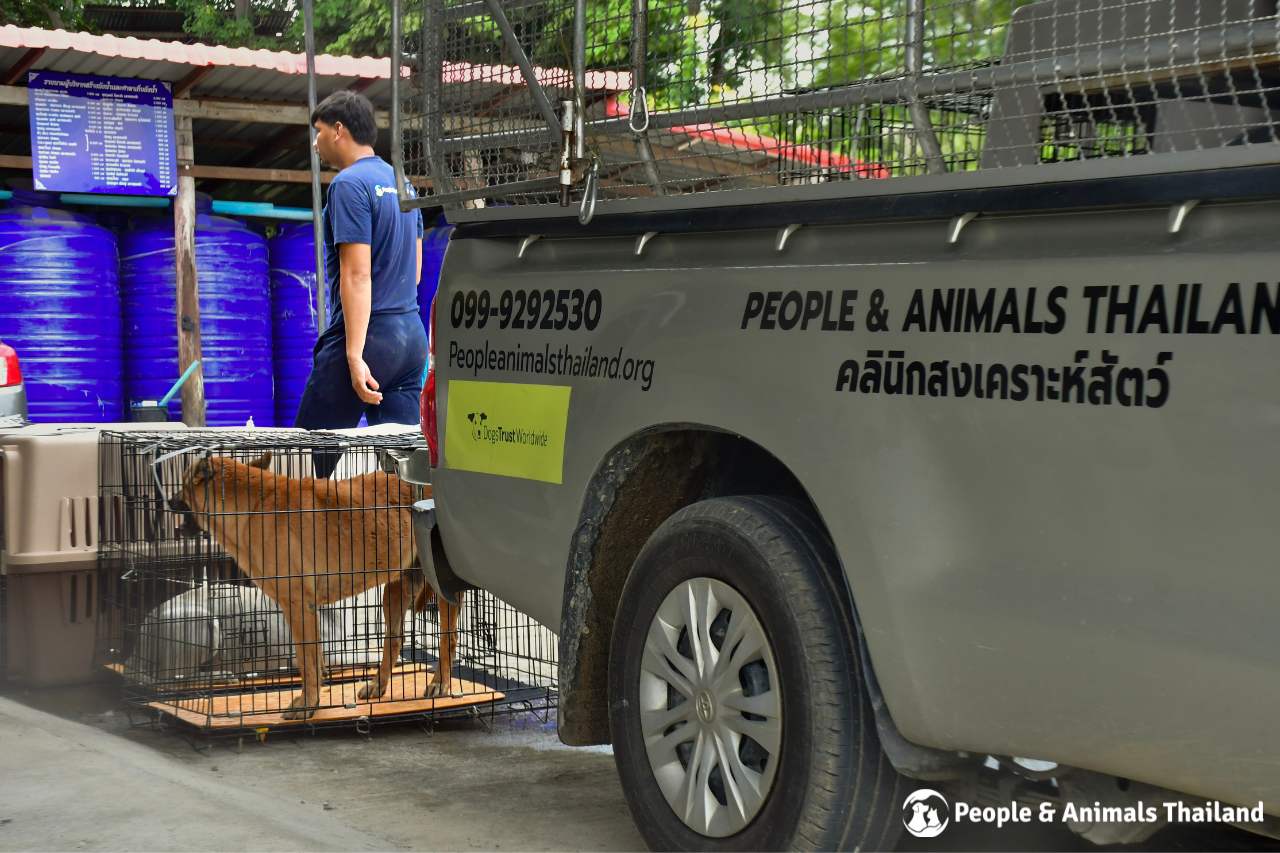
(201, 471)
(263, 461)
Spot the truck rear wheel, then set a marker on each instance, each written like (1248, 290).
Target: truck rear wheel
(738, 711)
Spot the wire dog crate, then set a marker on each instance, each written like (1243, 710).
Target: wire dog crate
(240, 591)
(534, 102)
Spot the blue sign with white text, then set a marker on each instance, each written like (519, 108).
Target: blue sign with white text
(102, 134)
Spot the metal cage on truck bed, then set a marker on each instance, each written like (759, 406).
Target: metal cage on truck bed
(514, 109)
(206, 640)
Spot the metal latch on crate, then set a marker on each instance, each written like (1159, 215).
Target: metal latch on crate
(431, 557)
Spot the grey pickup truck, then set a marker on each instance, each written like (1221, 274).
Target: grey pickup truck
(891, 445)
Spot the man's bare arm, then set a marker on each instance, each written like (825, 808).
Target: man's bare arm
(356, 290)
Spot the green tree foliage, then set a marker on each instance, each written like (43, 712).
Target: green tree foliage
(343, 27)
(50, 14)
(231, 22)
(700, 46)
(353, 27)
(698, 52)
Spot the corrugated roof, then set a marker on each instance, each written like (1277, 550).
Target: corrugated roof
(114, 48)
(84, 53)
(240, 74)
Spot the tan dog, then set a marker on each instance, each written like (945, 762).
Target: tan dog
(310, 542)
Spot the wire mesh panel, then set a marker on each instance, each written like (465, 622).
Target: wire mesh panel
(257, 578)
(469, 120)
(688, 96)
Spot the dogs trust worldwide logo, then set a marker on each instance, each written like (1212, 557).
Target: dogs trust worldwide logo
(493, 434)
(477, 420)
(926, 813)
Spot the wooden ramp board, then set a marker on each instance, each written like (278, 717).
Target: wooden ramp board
(361, 672)
(265, 708)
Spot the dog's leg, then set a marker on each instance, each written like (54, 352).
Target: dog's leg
(304, 624)
(394, 603)
(442, 681)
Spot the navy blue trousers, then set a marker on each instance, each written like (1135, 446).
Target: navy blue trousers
(396, 352)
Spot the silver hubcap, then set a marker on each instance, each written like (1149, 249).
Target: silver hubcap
(710, 707)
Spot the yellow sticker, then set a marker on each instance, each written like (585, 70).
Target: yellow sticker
(507, 429)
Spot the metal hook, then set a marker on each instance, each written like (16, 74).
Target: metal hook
(784, 234)
(639, 105)
(957, 225)
(643, 240)
(526, 243)
(1178, 215)
(588, 209)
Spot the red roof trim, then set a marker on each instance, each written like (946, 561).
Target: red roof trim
(746, 141)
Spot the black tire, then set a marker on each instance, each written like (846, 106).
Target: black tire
(833, 789)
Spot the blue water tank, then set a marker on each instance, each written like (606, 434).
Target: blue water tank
(294, 315)
(434, 243)
(60, 309)
(235, 317)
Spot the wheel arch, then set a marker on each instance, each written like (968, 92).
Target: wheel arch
(641, 482)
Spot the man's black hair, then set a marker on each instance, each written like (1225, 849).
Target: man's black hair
(354, 112)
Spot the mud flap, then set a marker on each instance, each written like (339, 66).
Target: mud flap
(431, 557)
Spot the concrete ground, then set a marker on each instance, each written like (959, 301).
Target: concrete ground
(76, 775)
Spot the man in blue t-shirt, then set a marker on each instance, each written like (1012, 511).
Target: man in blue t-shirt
(369, 359)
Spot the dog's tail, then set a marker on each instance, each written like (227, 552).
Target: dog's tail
(425, 593)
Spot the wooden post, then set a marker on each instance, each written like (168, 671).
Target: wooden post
(184, 240)
(317, 228)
